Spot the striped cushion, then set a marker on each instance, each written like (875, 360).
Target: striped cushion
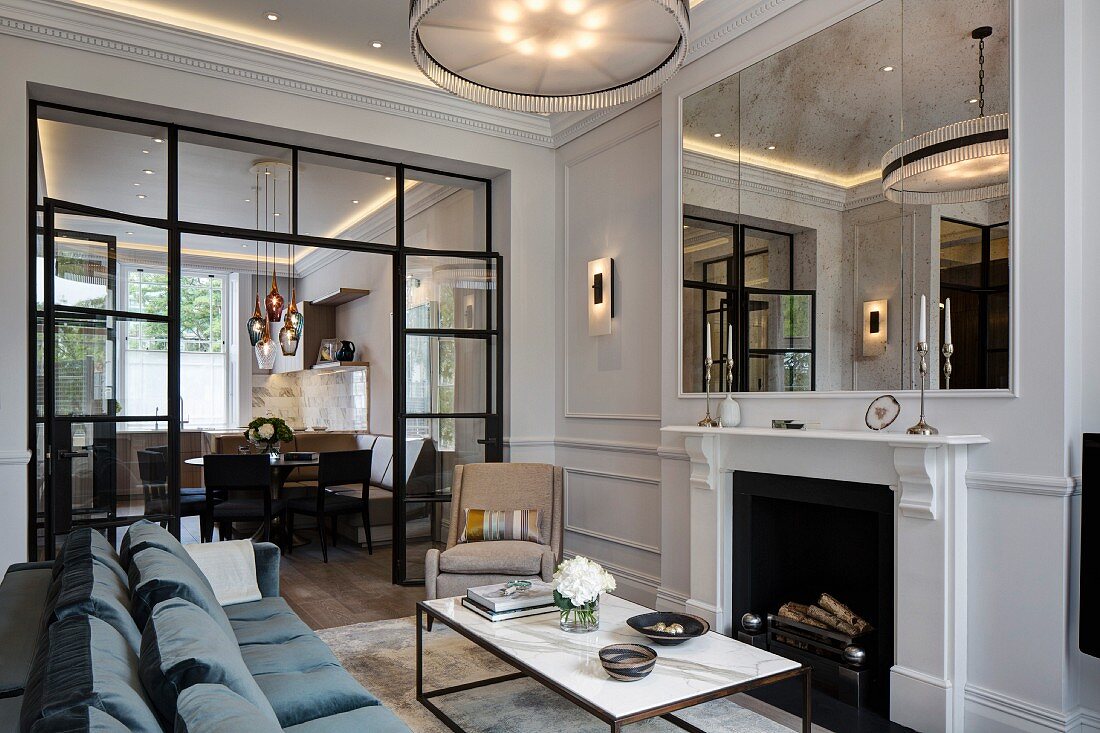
(484, 525)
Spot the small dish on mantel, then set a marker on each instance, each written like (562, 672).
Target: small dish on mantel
(882, 412)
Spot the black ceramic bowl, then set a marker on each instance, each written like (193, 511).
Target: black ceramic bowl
(646, 624)
(628, 662)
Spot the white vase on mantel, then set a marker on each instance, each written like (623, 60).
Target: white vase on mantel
(729, 412)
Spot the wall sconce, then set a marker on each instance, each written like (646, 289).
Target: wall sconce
(874, 327)
(601, 296)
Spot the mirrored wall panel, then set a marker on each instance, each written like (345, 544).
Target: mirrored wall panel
(828, 187)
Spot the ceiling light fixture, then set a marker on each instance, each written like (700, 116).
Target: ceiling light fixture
(141, 196)
(886, 68)
(271, 16)
(148, 171)
(770, 147)
(145, 151)
(716, 134)
(158, 139)
(376, 44)
(536, 50)
(972, 100)
(136, 183)
(355, 201)
(960, 162)
(129, 234)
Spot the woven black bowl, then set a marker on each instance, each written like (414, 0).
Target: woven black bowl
(693, 627)
(628, 662)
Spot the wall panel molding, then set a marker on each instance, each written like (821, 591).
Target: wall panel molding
(570, 526)
(567, 167)
(1020, 483)
(15, 457)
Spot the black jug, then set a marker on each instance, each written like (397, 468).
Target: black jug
(346, 351)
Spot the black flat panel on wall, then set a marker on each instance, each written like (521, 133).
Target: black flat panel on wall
(1090, 545)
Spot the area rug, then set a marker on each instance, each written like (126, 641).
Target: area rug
(381, 655)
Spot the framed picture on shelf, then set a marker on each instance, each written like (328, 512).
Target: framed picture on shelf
(327, 352)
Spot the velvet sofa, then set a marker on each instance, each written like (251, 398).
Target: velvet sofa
(136, 640)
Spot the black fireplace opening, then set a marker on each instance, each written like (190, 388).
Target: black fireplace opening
(797, 538)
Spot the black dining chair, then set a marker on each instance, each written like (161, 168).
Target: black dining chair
(336, 470)
(153, 472)
(227, 477)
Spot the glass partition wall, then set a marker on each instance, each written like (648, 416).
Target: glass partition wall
(153, 243)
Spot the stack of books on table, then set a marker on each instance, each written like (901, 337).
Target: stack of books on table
(490, 602)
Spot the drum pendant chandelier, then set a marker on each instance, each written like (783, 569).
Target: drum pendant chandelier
(548, 56)
(961, 162)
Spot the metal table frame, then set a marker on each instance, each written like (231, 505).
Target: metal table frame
(616, 724)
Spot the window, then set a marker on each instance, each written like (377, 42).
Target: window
(430, 365)
(741, 278)
(204, 357)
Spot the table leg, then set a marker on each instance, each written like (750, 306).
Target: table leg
(419, 653)
(807, 698)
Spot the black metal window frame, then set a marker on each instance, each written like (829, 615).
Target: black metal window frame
(982, 292)
(734, 306)
(493, 334)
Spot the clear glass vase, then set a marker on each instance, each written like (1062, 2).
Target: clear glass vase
(581, 619)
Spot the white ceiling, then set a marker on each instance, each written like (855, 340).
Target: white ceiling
(336, 31)
(829, 109)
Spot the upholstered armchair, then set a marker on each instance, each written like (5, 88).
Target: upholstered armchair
(498, 486)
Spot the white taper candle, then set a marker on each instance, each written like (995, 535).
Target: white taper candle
(947, 321)
(709, 350)
(729, 342)
(922, 335)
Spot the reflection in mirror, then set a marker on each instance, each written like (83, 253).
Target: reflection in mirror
(788, 239)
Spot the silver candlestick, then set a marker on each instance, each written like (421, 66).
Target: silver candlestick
(708, 421)
(922, 428)
(948, 350)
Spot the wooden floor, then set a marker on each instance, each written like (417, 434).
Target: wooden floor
(353, 587)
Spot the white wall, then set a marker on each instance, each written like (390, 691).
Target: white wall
(1021, 485)
(528, 241)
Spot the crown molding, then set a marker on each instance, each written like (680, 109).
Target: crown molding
(111, 33)
(114, 34)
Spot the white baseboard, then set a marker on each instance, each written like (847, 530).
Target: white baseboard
(993, 711)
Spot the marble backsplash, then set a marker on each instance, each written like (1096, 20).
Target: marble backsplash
(338, 399)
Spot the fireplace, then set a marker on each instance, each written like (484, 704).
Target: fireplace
(796, 538)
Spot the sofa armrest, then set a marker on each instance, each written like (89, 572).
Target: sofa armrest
(431, 573)
(22, 598)
(267, 568)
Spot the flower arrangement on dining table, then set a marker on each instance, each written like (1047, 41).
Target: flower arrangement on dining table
(269, 432)
(577, 585)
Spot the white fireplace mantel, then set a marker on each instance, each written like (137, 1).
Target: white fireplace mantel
(928, 476)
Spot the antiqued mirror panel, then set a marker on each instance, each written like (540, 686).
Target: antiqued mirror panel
(816, 214)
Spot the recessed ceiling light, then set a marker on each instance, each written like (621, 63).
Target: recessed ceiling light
(271, 16)
(376, 44)
(770, 147)
(158, 139)
(130, 233)
(277, 214)
(972, 100)
(148, 171)
(248, 201)
(145, 151)
(137, 184)
(389, 178)
(716, 134)
(141, 195)
(355, 201)
(244, 246)
(886, 68)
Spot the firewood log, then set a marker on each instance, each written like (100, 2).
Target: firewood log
(843, 613)
(832, 621)
(790, 611)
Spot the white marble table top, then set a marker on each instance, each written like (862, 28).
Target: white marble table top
(682, 672)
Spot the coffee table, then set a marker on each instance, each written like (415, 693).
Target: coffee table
(702, 669)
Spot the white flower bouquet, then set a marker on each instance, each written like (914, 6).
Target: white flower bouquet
(269, 432)
(577, 586)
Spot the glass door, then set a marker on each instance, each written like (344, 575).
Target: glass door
(98, 316)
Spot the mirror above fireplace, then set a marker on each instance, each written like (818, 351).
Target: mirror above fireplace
(801, 270)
